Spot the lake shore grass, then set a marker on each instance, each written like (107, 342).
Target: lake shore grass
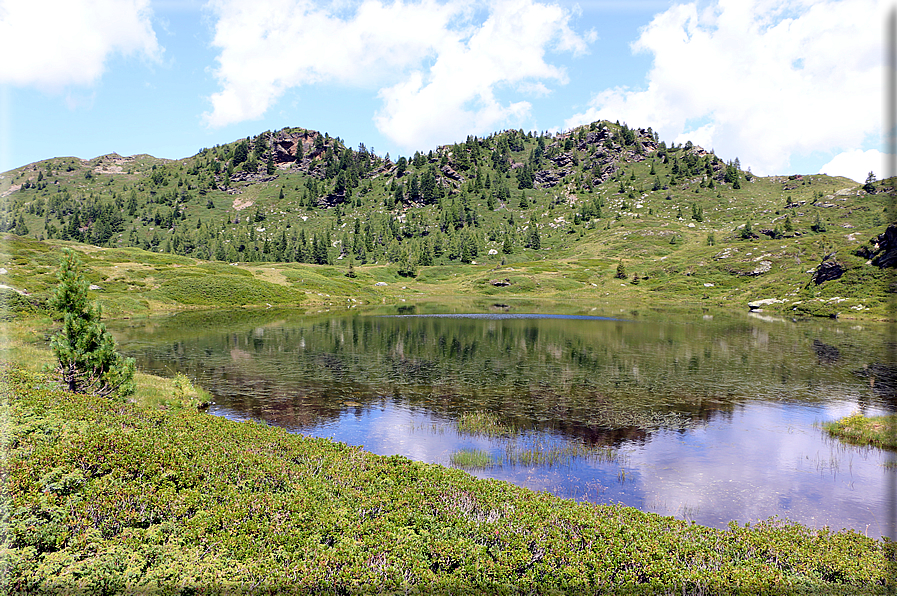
(105, 496)
(877, 431)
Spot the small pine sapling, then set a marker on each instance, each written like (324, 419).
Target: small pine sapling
(85, 350)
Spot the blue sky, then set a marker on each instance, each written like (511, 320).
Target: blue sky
(787, 86)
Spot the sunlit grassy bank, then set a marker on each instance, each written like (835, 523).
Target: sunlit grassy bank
(102, 496)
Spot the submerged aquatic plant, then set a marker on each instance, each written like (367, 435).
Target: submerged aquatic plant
(472, 459)
(483, 423)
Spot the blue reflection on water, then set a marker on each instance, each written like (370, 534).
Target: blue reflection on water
(765, 460)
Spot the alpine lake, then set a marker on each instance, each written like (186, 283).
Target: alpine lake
(708, 416)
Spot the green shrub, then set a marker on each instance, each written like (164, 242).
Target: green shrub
(104, 497)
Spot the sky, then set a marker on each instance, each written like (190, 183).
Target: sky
(786, 86)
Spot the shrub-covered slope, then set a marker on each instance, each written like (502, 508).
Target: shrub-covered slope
(102, 497)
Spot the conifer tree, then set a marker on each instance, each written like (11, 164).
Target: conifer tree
(85, 350)
(789, 227)
(621, 270)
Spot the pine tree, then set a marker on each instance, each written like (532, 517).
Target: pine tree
(789, 227)
(534, 241)
(621, 270)
(88, 361)
(869, 186)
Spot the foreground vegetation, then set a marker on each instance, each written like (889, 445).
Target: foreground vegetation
(102, 496)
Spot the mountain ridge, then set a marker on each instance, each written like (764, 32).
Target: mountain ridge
(602, 191)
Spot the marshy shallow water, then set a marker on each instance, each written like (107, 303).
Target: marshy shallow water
(710, 418)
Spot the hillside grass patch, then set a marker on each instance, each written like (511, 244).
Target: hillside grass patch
(194, 288)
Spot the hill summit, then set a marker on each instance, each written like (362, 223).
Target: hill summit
(605, 192)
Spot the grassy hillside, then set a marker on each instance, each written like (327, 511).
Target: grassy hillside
(508, 215)
(131, 281)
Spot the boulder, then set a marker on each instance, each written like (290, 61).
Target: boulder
(828, 270)
(885, 248)
(757, 305)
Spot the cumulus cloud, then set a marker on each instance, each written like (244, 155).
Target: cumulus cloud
(856, 164)
(438, 67)
(68, 44)
(774, 78)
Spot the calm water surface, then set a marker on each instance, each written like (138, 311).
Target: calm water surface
(710, 418)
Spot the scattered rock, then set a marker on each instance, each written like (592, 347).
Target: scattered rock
(757, 305)
(500, 283)
(16, 290)
(94, 287)
(828, 270)
(380, 283)
(761, 268)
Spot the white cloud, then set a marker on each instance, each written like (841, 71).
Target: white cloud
(856, 164)
(438, 66)
(775, 78)
(51, 48)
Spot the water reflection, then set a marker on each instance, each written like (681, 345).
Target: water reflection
(707, 419)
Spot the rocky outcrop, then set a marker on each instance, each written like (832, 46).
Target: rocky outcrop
(548, 178)
(828, 270)
(562, 161)
(331, 200)
(450, 173)
(251, 177)
(285, 145)
(884, 248)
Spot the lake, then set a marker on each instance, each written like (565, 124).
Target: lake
(708, 416)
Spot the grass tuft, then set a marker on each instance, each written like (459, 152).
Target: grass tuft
(878, 431)
(472, 459)
(483, 424)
